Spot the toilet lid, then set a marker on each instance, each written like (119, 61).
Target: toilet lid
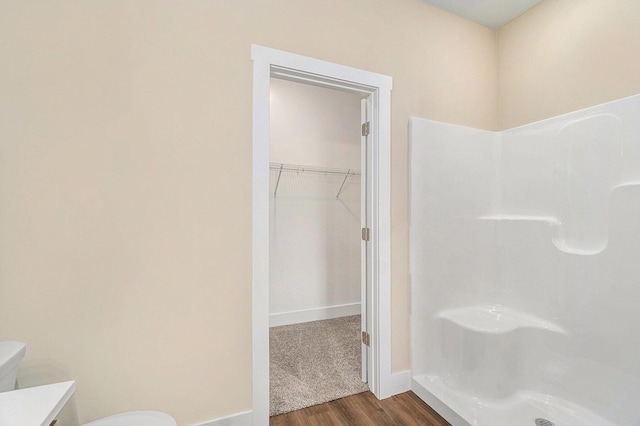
(136, 418)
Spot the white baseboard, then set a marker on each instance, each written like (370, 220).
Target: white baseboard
(316, 314)
(239, 419)
(399, 382)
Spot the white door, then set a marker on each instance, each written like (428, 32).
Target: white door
(365, 257)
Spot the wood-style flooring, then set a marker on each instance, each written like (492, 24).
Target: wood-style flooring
(364, 409)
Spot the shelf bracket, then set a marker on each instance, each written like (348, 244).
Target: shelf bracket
(343, 182)
(275, 192)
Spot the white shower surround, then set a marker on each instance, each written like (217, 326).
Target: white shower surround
(525, 266)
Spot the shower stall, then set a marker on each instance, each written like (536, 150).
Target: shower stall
(525, 269)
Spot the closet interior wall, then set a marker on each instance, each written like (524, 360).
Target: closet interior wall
(315, 203)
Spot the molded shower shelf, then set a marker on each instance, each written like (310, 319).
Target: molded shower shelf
(629, 186)
(496, 319)
(482, 348)
(555, 225)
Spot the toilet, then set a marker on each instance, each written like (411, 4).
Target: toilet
(12, 352)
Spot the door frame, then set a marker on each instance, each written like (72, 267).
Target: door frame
(269, 63)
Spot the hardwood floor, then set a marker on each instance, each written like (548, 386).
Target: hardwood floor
(364, 409)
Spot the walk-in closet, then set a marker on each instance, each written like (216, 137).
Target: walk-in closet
(315, 245)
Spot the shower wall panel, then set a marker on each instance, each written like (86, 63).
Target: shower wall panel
(525, 272)
(451, 186)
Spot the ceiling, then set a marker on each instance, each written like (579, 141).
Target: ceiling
(490, 13)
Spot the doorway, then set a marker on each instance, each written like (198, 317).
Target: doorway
(376, 88)
(317, 258)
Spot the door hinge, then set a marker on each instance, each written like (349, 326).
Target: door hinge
(365, 129)
(366, 339)
(365, 234)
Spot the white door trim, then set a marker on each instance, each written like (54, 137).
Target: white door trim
(269, 62)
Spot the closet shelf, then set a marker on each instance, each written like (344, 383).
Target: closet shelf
(312, 169)
(297, 168)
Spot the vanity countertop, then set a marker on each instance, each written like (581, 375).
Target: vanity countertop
(36, 406)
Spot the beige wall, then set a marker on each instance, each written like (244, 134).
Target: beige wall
(565, 55)
(125, 179)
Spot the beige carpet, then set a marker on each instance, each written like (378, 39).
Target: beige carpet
(314, 362)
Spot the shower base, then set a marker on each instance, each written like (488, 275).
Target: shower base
(522, 409)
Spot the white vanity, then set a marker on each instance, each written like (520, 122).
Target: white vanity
(36, 406)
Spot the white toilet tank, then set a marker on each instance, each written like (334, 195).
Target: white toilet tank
(11, 353)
